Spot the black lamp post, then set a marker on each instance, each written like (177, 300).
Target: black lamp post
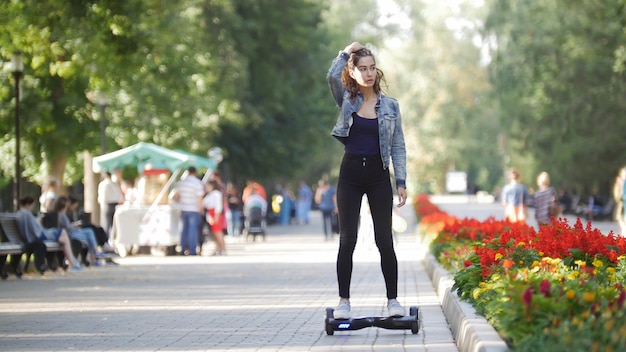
(18, 70)
(102, 104)
(103, 125)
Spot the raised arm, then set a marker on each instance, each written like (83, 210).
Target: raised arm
(334, 73)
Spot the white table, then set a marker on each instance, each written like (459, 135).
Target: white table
(146, 226)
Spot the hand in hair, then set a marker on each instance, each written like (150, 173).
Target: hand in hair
(354, 46)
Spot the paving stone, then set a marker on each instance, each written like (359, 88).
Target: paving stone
(263, 296)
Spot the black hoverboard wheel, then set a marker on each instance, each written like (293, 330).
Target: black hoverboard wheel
(410, 322)
(327, 324)
(415, 326)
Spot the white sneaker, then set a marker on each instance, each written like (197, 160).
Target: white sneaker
(343, 310)
(395, 309)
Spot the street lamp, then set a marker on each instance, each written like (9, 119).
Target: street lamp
(18, 70)
(102, 104)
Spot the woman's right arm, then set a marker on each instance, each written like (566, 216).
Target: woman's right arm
(334, 73)
(334, 77)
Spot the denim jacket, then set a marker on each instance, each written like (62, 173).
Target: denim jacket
(391, 137)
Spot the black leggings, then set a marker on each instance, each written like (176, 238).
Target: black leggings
(365, 175)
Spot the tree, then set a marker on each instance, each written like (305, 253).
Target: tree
(560, 87)
(186, 75)
(450, 122)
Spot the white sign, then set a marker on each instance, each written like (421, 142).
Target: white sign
(456, 182)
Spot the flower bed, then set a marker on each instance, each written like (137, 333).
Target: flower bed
(559, 288)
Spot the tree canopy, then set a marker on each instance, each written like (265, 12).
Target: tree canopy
(249, 77)
(558, 75)
(187, 75)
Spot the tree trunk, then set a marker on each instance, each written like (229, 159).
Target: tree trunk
(57, 170)
(91, 190)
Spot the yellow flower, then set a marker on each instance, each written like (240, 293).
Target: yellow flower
(498, 256)
(520, 244)
(553, 261)
(521, 262)
(570, 294)
(595, 346)
(573, 275)
(609, 324)
(598, 263)
(585, 314)
(589, 297)
(610, 270)
(568, 339)
(476, 293)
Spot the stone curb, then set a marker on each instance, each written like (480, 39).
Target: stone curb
(471, 331)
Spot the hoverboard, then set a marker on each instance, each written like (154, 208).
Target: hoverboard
(410, 322)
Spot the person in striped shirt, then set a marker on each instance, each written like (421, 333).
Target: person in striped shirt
(188, 193)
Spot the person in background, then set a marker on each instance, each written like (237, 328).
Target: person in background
(255, 200)
(286, 206)
(514, 198)
(618, 195)
(130, 193)
(32, 232)
(216, 175)
(305, 197)
(85, 235)
(234, 214)
(109, 196)
(188, 193)
(101, 236)
(545, 197)
(369, 126)
(214, 205)
(250, 185)
(326, 200)
(48, 195)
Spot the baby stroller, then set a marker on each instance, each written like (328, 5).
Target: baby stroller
(254, 223)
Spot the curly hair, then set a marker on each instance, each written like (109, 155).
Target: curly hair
(350, 83)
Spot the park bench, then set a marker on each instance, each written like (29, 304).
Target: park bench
(54, 250)
(7, 248)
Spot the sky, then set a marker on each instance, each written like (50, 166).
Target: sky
(456, 22)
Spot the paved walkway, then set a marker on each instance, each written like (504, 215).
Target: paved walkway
(263, 296)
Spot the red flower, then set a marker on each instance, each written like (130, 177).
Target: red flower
(527, 297)
(544, 287)
(620, 299)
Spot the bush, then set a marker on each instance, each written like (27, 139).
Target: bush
(553, 289)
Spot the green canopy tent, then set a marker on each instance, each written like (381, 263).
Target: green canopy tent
(148, 155)
(156, 225)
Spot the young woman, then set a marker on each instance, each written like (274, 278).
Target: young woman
(86, 235)
(370, 127)
(545, 198)
(214, 206)
(515, 197)
(48, 195)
